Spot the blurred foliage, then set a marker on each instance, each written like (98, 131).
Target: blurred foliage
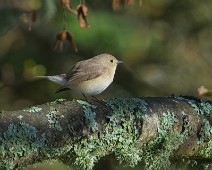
(166, 46)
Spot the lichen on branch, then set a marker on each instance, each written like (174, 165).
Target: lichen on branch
(154, 130)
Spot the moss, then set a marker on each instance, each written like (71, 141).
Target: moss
(53, 120)
(33, 109)
(89, 114)
(19, 141)
(119, 136)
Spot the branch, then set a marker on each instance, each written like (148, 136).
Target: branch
(152, 129)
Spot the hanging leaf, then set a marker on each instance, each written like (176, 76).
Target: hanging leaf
(30, 17)
(129, 2)
(82, 10)
(66, 4)
(60, 39)
(116, 5)
(71, 40)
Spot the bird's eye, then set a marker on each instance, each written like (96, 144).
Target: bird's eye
(111, 61)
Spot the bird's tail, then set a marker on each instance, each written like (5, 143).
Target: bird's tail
(59, 79)
(61, 89)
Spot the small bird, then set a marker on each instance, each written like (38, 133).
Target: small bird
(89, 77)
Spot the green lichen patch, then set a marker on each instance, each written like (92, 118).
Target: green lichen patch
(129, 112)
(207, 166)
(159, 158)
(58, 101)
(20, 117)
(202, 107)
(167, 120)
(130, 105)
(88, 152)
(123, 134)
(53, 120)
(18, 141)
(57, 152)
(157, 153)
(206, 107)
(115, 138)
(206, 136)
(89, 114)
(33, 109)
(205, 132)
(207, 150)
(120, 135)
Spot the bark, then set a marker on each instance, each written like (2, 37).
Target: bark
(154, 130)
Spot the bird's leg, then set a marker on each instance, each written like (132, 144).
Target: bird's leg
(97, 100)
(85, 97)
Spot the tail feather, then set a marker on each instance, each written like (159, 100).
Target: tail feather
(61, 89)
(59, 79)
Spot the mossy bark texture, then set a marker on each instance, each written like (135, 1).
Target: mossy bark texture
(154, 130)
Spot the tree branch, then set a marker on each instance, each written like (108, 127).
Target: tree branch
(152, 129)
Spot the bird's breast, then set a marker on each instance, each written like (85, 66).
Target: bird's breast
(95, 86)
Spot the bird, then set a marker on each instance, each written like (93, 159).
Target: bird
(89, 77)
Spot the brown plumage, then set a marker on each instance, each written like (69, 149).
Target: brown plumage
(89, 77)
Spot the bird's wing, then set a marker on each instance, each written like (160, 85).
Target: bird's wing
(79, 73)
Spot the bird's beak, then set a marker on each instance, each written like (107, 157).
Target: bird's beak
(119, 62)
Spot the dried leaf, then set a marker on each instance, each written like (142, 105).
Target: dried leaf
(73, 11)
(85, 9)
(129, 2)
(33, 16)
(71, 40)
(65, 2)
(203, 91)
(60, 39)
(58, 45)
(30, 18)
(62, 36)
(82, 10)
(116, 5)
